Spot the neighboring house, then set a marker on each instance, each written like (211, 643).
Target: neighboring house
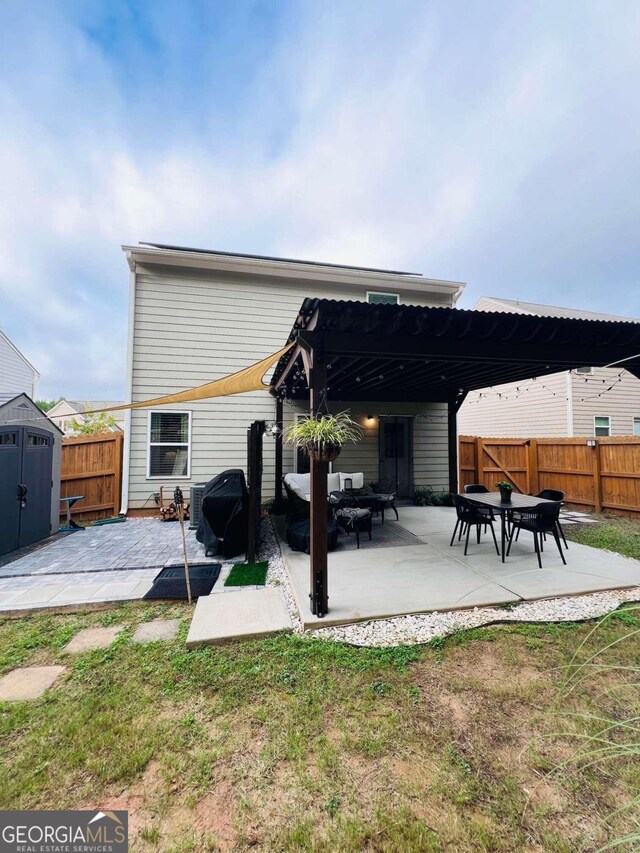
(17, 374)
(200, 315)
(583, 402)
(66, 411)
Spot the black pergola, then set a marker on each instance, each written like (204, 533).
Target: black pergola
(356, 351)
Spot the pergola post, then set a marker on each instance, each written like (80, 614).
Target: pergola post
(318, 544)
(278, 460)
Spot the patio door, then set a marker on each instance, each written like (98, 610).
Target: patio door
(395, 437)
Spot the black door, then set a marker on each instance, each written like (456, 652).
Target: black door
(26, 456)
(396, 451)
(10, 473)
(35, 515)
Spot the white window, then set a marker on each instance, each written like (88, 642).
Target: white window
(588, 371)
(636, 426)
(602, 425)
(169, 450)
(378, 298)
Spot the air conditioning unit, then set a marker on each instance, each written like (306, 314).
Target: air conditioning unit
(195, 504)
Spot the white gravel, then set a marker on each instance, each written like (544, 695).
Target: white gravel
(421, 628)
(277, 574)
(412, 630)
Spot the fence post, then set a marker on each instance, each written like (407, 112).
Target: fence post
(532, 465)
(117, 472)
(479, 456)
(597, 479)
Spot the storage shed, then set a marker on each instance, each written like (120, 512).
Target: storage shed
(30, 458)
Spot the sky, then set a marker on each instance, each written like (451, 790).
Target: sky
(496, 143)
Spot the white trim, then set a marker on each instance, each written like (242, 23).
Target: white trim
(186, 476)
(608, 417)
(569, 385)
(382, 293)
(126, 449)
(289, 269)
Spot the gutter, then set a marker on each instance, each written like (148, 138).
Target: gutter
(126, 450)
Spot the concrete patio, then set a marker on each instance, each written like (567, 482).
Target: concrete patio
(376, 583)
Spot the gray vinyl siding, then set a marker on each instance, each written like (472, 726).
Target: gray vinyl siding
(16, 375)
(430, 441)
(537, 410)
(621, 403)
(191, 327)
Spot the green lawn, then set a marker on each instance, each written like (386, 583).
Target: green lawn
(299, 744)
(614, 533)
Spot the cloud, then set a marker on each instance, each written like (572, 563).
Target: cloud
(495, 146)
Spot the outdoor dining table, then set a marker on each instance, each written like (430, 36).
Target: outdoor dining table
(493, 500)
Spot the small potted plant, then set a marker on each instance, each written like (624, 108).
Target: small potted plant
(324, 435)
(505, 490)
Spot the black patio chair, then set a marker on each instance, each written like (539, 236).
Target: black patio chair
(549, 495)
(555, 495)
(387, 488)
(479, 489)
(470, 516)
(540, 520)
(349, 515)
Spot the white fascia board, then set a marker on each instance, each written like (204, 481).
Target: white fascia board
(290, 269)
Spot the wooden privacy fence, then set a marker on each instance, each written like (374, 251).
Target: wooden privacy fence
(92, 466)
(599, 474)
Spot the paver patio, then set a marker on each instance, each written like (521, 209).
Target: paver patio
(97, 565)
(370, 584)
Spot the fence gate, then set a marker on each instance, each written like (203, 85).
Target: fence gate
(26, 458)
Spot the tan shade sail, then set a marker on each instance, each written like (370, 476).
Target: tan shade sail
(248, 379)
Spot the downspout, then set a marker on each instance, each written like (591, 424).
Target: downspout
(126, 450)
(569, 386)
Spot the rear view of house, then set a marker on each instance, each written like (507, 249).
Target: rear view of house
(586, 401)
(196, 316)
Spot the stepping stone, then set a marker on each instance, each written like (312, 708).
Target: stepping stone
(28, 682)
(245, 614)
(93, 638)
(158, 629)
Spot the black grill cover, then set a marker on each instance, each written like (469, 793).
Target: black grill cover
(223, 524)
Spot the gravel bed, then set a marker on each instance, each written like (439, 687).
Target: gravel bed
(412, 630)
(277, 574)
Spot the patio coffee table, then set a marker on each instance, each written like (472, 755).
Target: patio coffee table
(493, 500)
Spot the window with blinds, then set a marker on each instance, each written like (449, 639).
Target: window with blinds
(169, 448)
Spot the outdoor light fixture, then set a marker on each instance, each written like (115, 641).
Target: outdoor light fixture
(591, 442)
(272, 428)
(370, 418)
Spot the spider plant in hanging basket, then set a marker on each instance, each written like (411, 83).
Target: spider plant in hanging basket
(324, 435)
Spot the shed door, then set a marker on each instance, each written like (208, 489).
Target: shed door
(10, 472)
(37, 459)
(396, 451)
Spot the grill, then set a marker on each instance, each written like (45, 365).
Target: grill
(195, 504)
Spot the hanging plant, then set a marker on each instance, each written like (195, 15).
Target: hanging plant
(324, 435)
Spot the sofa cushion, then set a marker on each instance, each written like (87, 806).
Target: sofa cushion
(357, 481)
(333, 483)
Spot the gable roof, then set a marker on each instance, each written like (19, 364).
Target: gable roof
(82, 406)
(18, 353)
(26, 403)
(491, 303)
